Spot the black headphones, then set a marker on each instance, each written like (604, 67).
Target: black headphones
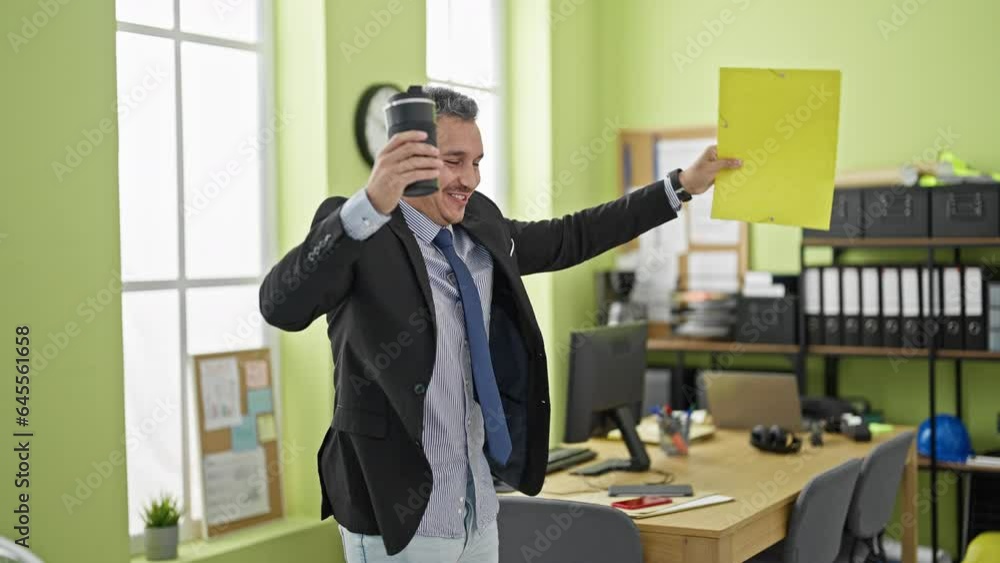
(774, 439)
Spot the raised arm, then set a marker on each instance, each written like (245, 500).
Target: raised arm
(313, 277)
(545, 246)
(555, 244)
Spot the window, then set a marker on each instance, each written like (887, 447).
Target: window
(464, 52)
(195, 136)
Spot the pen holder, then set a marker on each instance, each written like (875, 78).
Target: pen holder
(674, 434)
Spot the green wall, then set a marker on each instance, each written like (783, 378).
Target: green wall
(528, 107)
(301, 162)
(59, 249)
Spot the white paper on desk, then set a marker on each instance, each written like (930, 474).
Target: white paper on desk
(220, 393)
(235, 486)
(714, 271)
(709, 500)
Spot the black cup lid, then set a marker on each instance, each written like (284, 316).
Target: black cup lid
(413, 94)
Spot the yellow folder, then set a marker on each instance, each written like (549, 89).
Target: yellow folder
(783, 124)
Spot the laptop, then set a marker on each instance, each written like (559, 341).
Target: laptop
(746, 399)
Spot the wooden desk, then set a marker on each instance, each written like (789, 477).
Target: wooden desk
(763, 485)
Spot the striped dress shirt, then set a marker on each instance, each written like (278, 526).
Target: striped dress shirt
(453, 433)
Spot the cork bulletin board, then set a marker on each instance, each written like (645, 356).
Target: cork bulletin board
(638, 162)
(237, 426)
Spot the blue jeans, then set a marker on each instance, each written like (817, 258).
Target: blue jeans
(478, 545)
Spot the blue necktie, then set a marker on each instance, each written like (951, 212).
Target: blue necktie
(497, 435)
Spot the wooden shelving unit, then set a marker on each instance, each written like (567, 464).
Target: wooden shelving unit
(868, 351)
(697, 345)
(798, 353)
(932, 247)
(938, 242)
(723, 346)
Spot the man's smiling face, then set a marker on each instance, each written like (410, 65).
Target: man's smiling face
(461, 147)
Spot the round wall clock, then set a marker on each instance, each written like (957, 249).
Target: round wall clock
(370, 128)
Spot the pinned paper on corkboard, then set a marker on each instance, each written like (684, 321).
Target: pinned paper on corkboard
(240, 468)
(256, 374)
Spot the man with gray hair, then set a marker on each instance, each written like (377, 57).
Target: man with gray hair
(441, 379)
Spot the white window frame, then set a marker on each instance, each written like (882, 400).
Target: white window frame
(500, 151)
(191, 529)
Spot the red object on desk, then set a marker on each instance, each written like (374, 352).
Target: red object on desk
(642, 502)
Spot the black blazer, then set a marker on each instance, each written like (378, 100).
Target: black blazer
(380, 319)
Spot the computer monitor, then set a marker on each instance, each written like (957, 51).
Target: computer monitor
(606, 369)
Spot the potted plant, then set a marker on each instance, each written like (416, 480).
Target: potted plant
(161, 516)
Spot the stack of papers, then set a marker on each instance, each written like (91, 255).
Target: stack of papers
(761, 284)
(707, 500)
(701, 314)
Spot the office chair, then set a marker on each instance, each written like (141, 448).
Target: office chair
(556, 531)
(816, 526)
(874, 500)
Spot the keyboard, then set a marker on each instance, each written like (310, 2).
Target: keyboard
(563, 458)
